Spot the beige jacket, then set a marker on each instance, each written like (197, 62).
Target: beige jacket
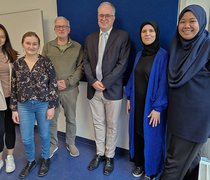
(3, 105)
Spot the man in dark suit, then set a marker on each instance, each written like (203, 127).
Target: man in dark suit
(105, 61)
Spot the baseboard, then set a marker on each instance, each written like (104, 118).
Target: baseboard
(119, 150)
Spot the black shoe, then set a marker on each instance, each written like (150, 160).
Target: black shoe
(150, 177)
(138, 171)
(44, 167)
(109, 166)
(95, 162)
(27, 169)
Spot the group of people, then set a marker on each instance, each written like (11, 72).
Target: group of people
(166, 92)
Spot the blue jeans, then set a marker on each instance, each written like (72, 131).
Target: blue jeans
(29, 111)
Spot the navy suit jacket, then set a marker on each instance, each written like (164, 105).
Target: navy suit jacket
(114, 63)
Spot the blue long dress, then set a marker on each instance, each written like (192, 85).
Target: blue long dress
(157, 99)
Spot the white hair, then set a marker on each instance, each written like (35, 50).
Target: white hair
(63, 18)
(108, 3)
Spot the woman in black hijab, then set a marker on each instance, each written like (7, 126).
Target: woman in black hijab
(147, 100)
(189, 94)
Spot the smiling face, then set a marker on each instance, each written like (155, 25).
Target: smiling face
(2, 38)
(106, 17)
(62, 28)
(188, 26)
(31, 45)
(148, 34)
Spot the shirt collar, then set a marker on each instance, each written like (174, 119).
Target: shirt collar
(108, 32)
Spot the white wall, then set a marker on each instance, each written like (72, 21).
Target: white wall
(22, 23)
(84, 120)
(49, 8)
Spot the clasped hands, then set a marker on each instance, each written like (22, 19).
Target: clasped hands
(98, 85)
(61, 85)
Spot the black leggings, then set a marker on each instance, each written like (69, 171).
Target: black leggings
(7, 128)
(138, 150)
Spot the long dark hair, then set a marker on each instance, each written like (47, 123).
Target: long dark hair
(7, 47)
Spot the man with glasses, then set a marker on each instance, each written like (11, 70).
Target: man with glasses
(66, 56)
(105, 61)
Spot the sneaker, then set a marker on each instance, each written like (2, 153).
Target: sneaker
(1, 164)
(138, 171)
(53, 151)
(10, 164)
(44, 167)
(73, 150)
(27, 169)
(150, 177)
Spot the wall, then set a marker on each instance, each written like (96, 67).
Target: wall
(23, 19)
(49, 8)
(84, 120)
(129, 16)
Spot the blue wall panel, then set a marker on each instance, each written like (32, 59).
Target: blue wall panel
(129, 15)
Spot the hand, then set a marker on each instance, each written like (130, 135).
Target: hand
(50, 113)
(15, 117)
(128, 106)
(154, 118)
(61, 85)
(98, 85)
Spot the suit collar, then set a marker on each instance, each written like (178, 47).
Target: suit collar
(112, 36)
(108, 32)
(110, 40)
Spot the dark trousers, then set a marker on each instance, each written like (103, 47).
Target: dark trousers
(138, 150)
(182, 158)
(7, 128)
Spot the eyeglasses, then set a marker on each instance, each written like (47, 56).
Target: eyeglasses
(106, 16)
(61, 27)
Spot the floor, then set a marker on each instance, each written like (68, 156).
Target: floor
(65, 167)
